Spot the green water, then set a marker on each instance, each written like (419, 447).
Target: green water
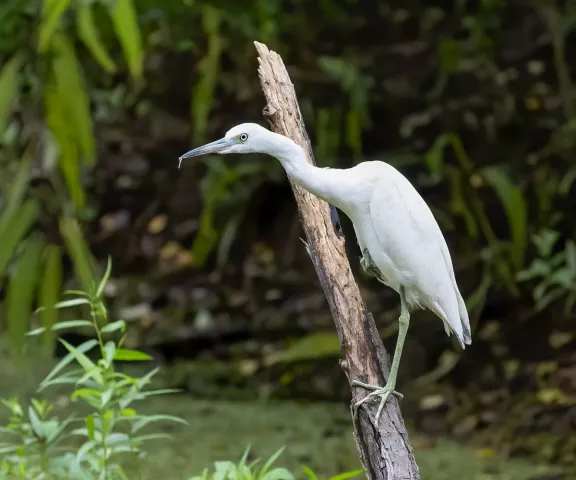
(316, 435)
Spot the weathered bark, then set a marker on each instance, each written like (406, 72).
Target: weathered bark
(385, 449)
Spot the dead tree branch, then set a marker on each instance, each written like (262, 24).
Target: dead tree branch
(385, 449)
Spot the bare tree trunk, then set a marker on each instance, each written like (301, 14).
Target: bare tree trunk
(385, 449)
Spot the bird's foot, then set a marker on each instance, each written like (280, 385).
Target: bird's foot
(377, 391)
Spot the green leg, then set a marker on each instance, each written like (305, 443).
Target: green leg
(389, 389)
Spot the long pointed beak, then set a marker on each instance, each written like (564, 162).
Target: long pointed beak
(209, 148)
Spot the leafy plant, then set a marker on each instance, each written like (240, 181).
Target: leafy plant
(61, 136)
(226, 187)
(33, 440)
(113, 426)
(227, 470)
(340, 476)
(357, 85)
(554, 272)
(505, 257)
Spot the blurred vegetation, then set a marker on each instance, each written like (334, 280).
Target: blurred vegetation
(39, 445)
(47, 135)
(473, 101)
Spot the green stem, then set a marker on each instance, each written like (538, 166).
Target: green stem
(97, 327)
(102, 409)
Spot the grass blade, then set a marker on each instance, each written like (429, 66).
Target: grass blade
(125, 20)
(48, 296)
(17, 191)
(127, 355)
(20, 294)
(88, 365)
(104, 278)
(52, 11)
(69, 83)
(62, 326)
(85, 347)
(346, 475)
(90, 36)
(16, 227)
(78, 251)
(8, 88)
(516, 210)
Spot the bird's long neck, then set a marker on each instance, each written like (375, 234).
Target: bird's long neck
(318, 181)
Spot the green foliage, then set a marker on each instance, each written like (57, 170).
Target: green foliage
(475, 46)
(209, 68)
(126, 27)
(65, 131)
(49, 292)
(553, 272)
(357, 86)
(340, 476)
(504, 257)
(39, 446)
(242, 471)
(227, 470)
(21, 293)
(90, 36)
(31, 444)
(227, 188)
(8, 88)
(516, 211)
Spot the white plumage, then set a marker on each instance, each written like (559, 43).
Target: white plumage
(400, 239)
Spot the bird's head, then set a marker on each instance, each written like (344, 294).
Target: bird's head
(244, 138)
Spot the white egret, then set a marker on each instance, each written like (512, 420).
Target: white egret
(401, 242)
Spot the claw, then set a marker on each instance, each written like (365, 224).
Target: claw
(377, 391)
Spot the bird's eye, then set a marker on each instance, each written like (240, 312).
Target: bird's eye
(243, 137)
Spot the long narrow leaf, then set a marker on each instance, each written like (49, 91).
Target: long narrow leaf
(270, 461)
(346, 475)
(16, 227)
(71, 89)
(78, 251)
(85, 347)
(128, 355)
(88, 365)
(21, 293)
(8, 88)
(125, 20)
(310, 473)
(48, 296)
(52, 11)
(516, 210)
(89, 34)
(105, 278)
(67, 303)
(62, 326)
(203, 92)
(141, 422)
(16, 193)
(69, 163)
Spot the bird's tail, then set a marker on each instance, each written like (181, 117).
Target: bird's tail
(466, 332)
(451, 308)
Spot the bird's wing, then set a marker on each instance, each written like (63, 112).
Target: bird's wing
(410, 237)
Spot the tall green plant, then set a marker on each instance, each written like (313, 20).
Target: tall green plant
(505, 257)
(36, 445)
(66, 136)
